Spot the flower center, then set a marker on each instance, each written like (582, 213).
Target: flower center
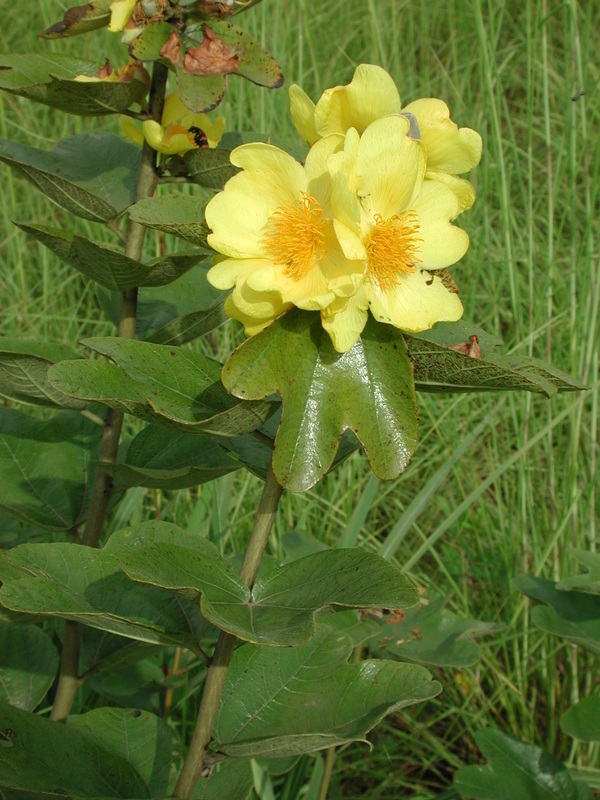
(295, 237)
(392, 248)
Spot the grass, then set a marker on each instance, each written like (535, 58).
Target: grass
(524, 492)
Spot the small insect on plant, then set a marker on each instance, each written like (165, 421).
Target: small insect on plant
(199, 136)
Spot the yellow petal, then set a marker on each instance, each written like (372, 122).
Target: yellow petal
(449, 148)
(345, 319)
(226, 272)
(309, 292)
(131, 131)
(416, 303)
(462, 188)
(253, 323)
(120, 12)
(315, 167)
(271, 171)
(238, 222)
(176, 113)
(371, 94)
(442, 243)
(169, 141)
(390, 167)
(302, 109)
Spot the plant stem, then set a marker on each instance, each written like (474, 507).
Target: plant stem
(68, 679)
(329, 762)
(217, 671)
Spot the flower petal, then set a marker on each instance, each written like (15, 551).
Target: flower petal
(309, 292)
(461, 187)
(449, 148)
(131, 131)
(302, 110)
(238, 222)
(415, 304)
(253, 322)
(442, 244)
(345, 319)
(120, 11)
(371, 94)
(389, 167)
(272, 171)
(226, 272)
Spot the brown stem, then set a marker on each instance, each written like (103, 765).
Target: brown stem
(68, 679)
(217, 671)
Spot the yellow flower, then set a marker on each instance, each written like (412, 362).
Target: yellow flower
(397, 226)
(179, 130)
(273, 225)
(357, 228)
(120, 13)
(372, 94)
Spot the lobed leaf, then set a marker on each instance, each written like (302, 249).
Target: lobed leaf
(368, 390)
(582, 721)
(93, 175)
(572, 615)
(282, 605)
(22, 646)
(254, 63)
(326, 701)
(87, 585)
(105, 753)
(200, 93)
(164, 459)
(110, 268)
(47, 467)
(516, 770)
(432, 636)
(50, 79)
(165, 385)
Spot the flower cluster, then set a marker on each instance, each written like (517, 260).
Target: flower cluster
(366, 222)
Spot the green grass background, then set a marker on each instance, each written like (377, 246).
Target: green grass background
(525, 75)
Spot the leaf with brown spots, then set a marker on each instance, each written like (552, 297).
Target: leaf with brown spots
(212, 57)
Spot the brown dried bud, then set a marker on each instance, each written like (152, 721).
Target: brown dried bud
(212, 57)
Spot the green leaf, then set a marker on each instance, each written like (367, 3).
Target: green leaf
(582, 721)
(200, 93)
(432, 636)
(24, 368)
(450, 334)
(440, 369)
(281, 607)
(255, 63)
(147, 46)
(80, 19)
(210, 167)
(180, 215)
(574, 616)
(232, 779)
(172, 311)
(47, 467)
(163, 459)
(88, 586)
(49, 79)
(93, 175)
(589, 581)
(108, 752)
(28, 665)
(166, 385)
(516, 771)
(191, 326)
(326, 701)
(368, 390)
(110, 267)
